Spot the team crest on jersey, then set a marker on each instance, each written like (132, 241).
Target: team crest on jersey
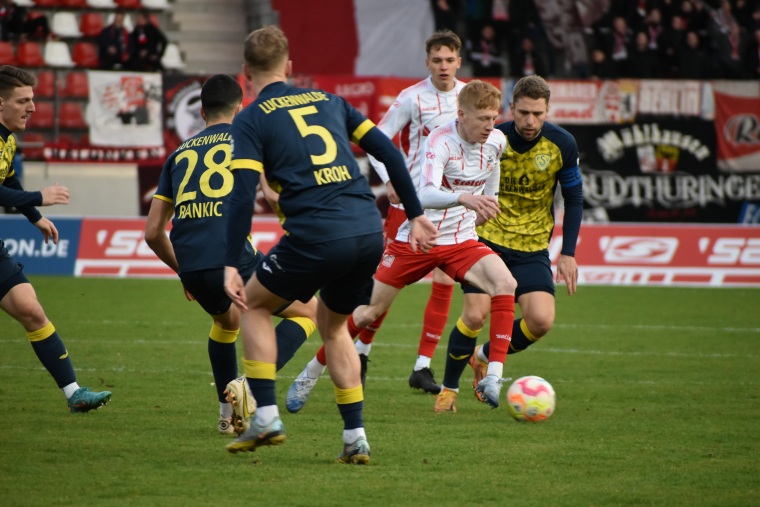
(388, 260)
(490, 161)
(542, 161)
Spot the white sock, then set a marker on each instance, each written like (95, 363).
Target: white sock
(422, 362)
(350, 436)
(69, 390)
(449, 389)
(225, 410)
(265, 415)
(362, 348)
(482, 355)
(314, 369)
(495, 368)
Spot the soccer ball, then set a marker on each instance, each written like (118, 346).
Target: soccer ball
(530, 398)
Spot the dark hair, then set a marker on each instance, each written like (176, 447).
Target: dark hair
(442, 38)
(13, 77)
(534, 87)
(220, 95)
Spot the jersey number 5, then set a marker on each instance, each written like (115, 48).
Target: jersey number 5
(209, 160)
(331, 148)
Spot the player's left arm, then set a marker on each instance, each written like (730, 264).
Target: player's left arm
(161, 211)
(571, 184)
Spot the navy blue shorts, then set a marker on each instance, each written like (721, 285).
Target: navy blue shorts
(11, 273)
(207, 285)
(532, 270)
(340, 270)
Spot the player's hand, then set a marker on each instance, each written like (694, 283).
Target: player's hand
(393, 197)
(55, 195)
(484, 205)
(567, 269)
(188, 295)
(479, 219)
(235, 288)
(422, 233)
(48, 229)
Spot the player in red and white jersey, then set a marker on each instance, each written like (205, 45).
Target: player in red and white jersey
(453, 168)
(458, 187)
(413, 115)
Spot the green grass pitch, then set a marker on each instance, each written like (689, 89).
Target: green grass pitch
(658, 403)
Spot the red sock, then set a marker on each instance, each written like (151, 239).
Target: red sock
(367, 334)
(502, 319)
(436, 315)
(321, 357)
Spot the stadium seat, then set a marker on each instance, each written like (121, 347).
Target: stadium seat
(76, 4)
(57, 54)
(91, 24)
(71, 116)
(46, 3)
(43, 116)
(76, 85)
(45, 84)
(129, 4)
(7, 54)
(32, 145)
(86, 55)
(101, 4)
(29, 54)
(65, 25)
(172, 59)
(158, 5)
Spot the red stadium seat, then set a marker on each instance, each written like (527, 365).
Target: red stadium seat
(71, 116)
(129, 4)
(76, 85)
(47, 3)
(7, 54)
(43, 116)
(30, 54)
(45, 84)
(32, 145)
(76, 4)
(86, 55)
(91, 24)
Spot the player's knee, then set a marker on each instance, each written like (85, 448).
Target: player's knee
(475, 318)
(31, 316)
(504, 285)
(540, 325)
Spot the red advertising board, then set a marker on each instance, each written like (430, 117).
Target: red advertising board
(116, 247)
(700, 255)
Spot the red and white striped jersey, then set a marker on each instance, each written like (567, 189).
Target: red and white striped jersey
(413, 115)
(452, 166)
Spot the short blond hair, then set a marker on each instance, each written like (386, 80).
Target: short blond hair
(480, 95)
(265, 49)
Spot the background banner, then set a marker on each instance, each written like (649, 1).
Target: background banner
(125, 109)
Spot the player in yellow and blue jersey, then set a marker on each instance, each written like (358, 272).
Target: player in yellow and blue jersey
(299, 139)
(539, 155)
(193, 187)
(17, 296)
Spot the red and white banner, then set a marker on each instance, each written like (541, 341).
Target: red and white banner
(125, 109)
(737, 125)
(116, 247)
(360, 37)
(699, 255)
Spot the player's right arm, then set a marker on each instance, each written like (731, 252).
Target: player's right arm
(398, 116)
